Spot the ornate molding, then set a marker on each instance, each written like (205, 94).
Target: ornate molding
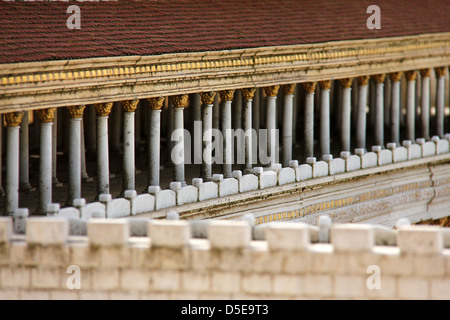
(363, 80)
(129, 105)
(425, 73)
(248, 93)
(411, 75)
(310, 87)
(207, 97)
(289, 89)
(103, 109)
(76, 111)
(226, 95)
(346, 83)
(180, 101)
(13, 119)
(395, 76)
(440, 71)
(325, 85)
(271, 91)
(156, 103)
(379, 78)
(46, 115)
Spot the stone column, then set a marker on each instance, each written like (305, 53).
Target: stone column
(379, 108)
(325, 87)
(248, 95)
(346, 85)
(288, 111)
(24, 167)
(84, 174)
(129, 178)
(177, 154)
(76, 114)
(13, 121)
(207, 125)
(440, 103)
(227, 98)
(154, 151)
(310, 88)
(361, 119)
(102, 111)
(271, 94)
(46, 116)
(411, 105)
(425, 104)
(395, 106)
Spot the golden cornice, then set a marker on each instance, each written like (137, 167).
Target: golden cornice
(46, 115)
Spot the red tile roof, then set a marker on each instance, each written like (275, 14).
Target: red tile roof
(37, 31)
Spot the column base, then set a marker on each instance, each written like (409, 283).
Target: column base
(56, 183)
(26, 187)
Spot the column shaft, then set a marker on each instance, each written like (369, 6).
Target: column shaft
(248, 143)
(361, 122)
(325, 117)
(425, 105)
(271, 127)
(154, 147)
(129, 180)
(288, 109)
(207, 119)
(12, 169)
(345, 119)
(309, 124)
(102, 156)
(74, 160)
(45, 167)
(440, 103)
(395, 111)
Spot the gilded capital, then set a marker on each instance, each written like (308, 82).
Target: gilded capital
(425, 73)
(395, 76)
(207, 97)
(248, 93)
(180, 101)
(325, 85)
(289, 89)
(13, 119)
(76, 111)
(46, 115)
(346, 83)
(103, 109)
(411, 75)
(129, 105)
(379, 78)
(272, 91)
(440, 71)
(156, 103)
(310, 87)
(363, 80)
(226, 95)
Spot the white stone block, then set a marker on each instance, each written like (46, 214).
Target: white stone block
(369, 160)
(227, 186)
(247, 182)
(336, 166)
(47, 231)
(303, 172)
(69, 212)
(118, 208)
(442, 146)
(94, 209)
(384, 157)
(428, 149)
(207, 190)
(169, 233)
(268, 179)
(399, 154)
(352, 163)
(285, 176)
(187, 194)
(142, 203)
(414, 150)
(287, 236)
(420, 239)
(320, 169)
(352, 237)
(6, 229)
(229, 234)
(165, 199)
(108, 232)
(20, 220)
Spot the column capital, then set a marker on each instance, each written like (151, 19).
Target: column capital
(325, 85)
(156, 103)
(46, 115)
(310, 87)
(207, 97)
(271, 91)
(226, 95)
(411, 75)
(346, 82)
(248, 93)
(425, 73)
(13, 119)
(180, 101)
(379, 78)
(395, 76)
(103, 109)
(363, 80)
(129, 105)
(76, 111)
(440, 71)
(289, 89)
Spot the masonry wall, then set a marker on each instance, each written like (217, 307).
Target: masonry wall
(294, 261)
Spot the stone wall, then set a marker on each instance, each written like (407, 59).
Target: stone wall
(176, 259)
